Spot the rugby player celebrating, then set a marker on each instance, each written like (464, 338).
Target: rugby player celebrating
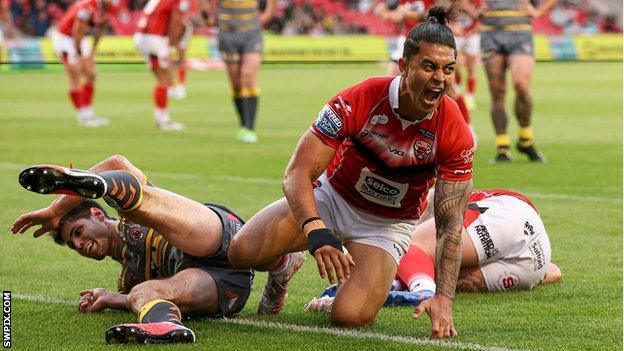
(360, 177)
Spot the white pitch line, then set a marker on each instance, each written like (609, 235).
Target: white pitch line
(309, 329)
(277, 181)
(363, 335)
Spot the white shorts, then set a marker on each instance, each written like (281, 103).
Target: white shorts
(349, 224)
(470, 45)
(511, 242)
(1, 37)
(398, 51)
(65, 48)
(155, 48)
(186, 37)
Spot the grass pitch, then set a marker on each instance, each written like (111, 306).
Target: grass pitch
(578, 125)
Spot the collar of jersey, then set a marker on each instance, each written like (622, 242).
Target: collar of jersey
(393, 96)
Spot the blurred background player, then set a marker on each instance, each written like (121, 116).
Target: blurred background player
(164, 272)
(505, 246)
(161, 25)
(177, 90)
(241, 46)
(507, 43)
(405, 14)
(466, 30)
(5, 18)
(77, 54)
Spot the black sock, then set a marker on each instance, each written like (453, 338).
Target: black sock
(238, 102)
(250, 106)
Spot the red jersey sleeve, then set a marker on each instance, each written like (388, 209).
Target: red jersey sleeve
(338, 118)
(456, 145)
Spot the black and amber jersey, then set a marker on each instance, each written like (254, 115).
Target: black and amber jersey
(238, 15)
(145, 254)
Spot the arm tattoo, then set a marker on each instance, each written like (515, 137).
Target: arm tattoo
(471, 281)
(451, 198)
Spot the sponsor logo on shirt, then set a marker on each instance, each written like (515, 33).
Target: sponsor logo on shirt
(328, 122)
(396, 151)
(539, 259)
(379, 119)
(528, 229)
(467, 155)
(508, 280)
(422, 149)
(427, 134)
(486, 242)
(379, 190)
(374, 133)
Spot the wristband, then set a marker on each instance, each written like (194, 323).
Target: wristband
(311, 219)
(321, 237)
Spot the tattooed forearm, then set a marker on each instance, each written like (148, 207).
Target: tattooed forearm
(450, 203)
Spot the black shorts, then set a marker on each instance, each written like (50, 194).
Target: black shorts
(507, 43)
(233, 284)
(235, 44)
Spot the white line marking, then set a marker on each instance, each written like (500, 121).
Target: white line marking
(309, 329)
(277, 181)
(363, 335)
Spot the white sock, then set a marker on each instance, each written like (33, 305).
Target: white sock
(420, 283)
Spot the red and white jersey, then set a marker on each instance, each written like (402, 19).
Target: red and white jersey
(91, 12)
(473, 212)
(156, 16)
(384, 164)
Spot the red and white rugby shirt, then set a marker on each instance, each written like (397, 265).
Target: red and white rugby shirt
(384, 164)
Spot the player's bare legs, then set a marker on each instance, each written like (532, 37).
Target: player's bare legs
(266, 237)
(192, 290)
(495, 67)
(360, 297)
(163, 81)
(186, 224)
(271, 240)
(521, 67)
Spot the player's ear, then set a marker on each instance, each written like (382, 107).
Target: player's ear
(97, 213)
(403, 67)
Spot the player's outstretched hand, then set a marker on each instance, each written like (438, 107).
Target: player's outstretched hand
(333, 263)
(45, 217)
(440, 310)
(94, 300)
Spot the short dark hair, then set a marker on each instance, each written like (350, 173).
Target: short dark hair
(433, 30)
(83, 210)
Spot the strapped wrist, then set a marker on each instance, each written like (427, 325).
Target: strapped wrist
(318, 238)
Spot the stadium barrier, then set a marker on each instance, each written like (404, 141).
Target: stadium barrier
(39, 54)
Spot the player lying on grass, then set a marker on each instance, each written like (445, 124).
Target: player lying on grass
(505, 247)
(173, 250)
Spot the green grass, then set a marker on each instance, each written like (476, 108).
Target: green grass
(578, 124)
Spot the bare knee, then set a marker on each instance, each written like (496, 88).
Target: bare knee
(351, 318)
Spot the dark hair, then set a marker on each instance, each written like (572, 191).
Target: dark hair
(83, 210)
(434, 30)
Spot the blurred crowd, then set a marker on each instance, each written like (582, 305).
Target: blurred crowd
(320, 17)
